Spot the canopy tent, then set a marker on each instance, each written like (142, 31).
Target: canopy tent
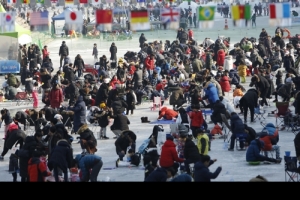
(61, 16)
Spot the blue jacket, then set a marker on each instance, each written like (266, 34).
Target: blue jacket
(271, 128)
(211, 93)
(235, 79)
(158, 175)
(237, 125)
(86, 162)
(253, 151)
(202, 173)
(79, 113)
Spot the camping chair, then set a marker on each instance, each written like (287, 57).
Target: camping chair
(156, 102)
(22, 97)
(206, 112)
(291, 171)
(282, 108)
(240, 138)
(258, 113)
(226, 127)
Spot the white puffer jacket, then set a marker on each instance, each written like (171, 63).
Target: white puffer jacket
(228, 64)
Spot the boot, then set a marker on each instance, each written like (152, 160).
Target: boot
(143, 119)
(146, 120)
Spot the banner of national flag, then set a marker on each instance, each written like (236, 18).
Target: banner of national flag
(73, 19)
(39, 21)
(8, 21)
(280, 14)
(25, 1)
(69, 2)
(96, 2)
(83, 1)
(40, 1)
(206, 16)
(139, 20)
(241, 12)
(104, 20)
(11, 1)
(170, 16)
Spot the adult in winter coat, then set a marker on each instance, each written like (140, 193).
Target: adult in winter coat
(88, 141)
(288, 61)
(118, 105)
(237, 128)
(79, 110)
(225, 83)
(61, 158)
(55, 96)
(142, 40)
(167, 114)
(218, 109)
(221, 58)
(183, 118)
(29, 83)
(202, 173)
(12, 80)
(197, 65)
(69, 72)
(251, 134)
(130, 101)
(102, 94)
(209, 60)
(120, 124)
(90, 166)
(253, 152)
(235, 79)
(160, 175)
(14, 136)
(138, 77)
(113, 52)
(79, 65)
(6, 118)
(177, 98)
(169, 156)
(249, 100)
(63, 52)
(211, 93)
(262, 85)
(22, 118)
(209, 79)
(126, 139)
(45, 79)
(190, 153)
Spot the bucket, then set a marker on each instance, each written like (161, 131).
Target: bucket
(287, 153)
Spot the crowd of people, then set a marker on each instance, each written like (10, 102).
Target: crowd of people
(181, 71)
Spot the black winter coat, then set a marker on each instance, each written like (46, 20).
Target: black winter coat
(79, 63)
(102, 117)
(63, 50)
(79, 113)
(279, 78)
(45, 78)
(50, 113)
(250, 98)
(261, 84)
(237, 125)
(86, 134)
(15, 136)
(191, 151)
(122, 143)
(119, 106)
(102, 94)
(69, 74)
(61, 156)
(218, 109)
(6, 118)
(158, 175)
(113, 52)
(120, 122)
(130, 100)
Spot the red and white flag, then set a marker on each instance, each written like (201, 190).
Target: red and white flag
(104, 20)
(83, 1)
(96, 2)
(73, 19)
(171, 17)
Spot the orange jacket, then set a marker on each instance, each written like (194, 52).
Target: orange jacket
(238, 92)
(216, 130)
(168, 114)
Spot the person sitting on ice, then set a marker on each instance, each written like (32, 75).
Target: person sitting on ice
(166, 113)
(133, 159)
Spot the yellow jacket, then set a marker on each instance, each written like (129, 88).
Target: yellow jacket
(200, 144)
(242, 70)
(238, 92)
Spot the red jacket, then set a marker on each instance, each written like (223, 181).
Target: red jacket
(37, 170)
(132, 69)
(56, 98)
(191, 33)
(196, 118)
(45, 53)
(160, 86)
(169, 154)
(267, 140)
(168, 114)
(149, 63)
(225, 85)
(221, 57)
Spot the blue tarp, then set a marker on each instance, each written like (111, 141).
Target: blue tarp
(61, 16)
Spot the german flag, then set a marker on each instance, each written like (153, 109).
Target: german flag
(139, 16)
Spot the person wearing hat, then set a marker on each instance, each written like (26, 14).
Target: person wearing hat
(203, 142)
(169, 155)
(103, 120)
(63, 52)
(190, 152)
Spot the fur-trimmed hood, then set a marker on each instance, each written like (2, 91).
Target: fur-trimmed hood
(82, 128)
(258, 79)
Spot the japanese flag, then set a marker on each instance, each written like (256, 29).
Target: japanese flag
(96, 2)
(74, 19)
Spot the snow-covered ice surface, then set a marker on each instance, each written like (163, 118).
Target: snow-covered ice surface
(234, 165)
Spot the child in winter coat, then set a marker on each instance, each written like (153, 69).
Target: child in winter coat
(37, 169)
(237, 95)
(217, 130)
(103, 120)
(14, 166)
(242, 68)
(35, 95)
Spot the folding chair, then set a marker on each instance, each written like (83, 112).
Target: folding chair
(258, 113)
(282, 108)
(22, 97)
(156, 102)
(240, 138)
(206, 112)
(226, 127)
(291, 171)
